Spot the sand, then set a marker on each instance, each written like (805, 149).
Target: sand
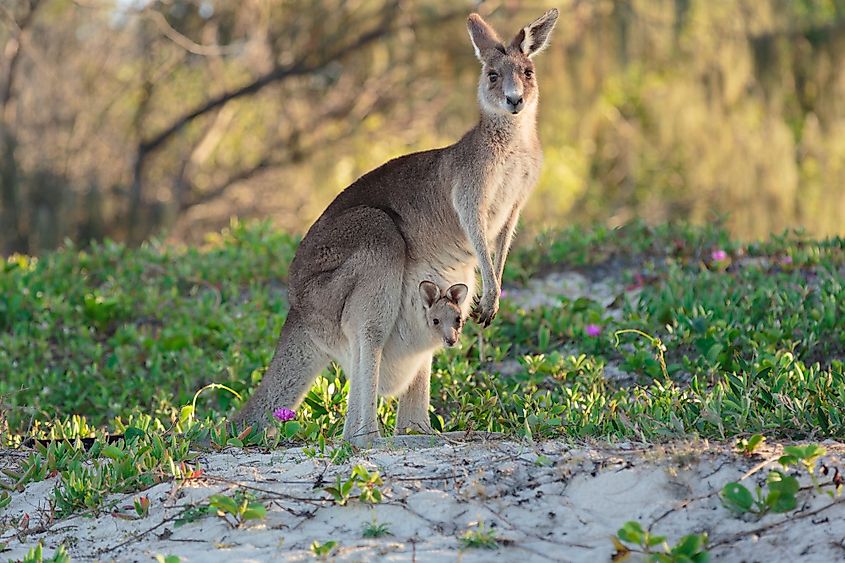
(546, 501)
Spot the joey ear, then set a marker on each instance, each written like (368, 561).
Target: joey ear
(457, 293)
(429, 293)
(483, 36)
(534, 37)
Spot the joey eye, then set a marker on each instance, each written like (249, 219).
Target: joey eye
(529, 73)
(436, 322)
(493, 77)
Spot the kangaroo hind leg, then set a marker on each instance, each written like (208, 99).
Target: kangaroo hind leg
(413, 403)
(295, 365)
(368, 319)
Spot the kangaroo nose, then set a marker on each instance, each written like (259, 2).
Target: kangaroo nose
(513, 100)
(450, 341)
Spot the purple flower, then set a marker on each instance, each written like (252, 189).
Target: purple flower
(503, 294)
(593, 330)
(786, 260)
(719, 255)
(284, 415)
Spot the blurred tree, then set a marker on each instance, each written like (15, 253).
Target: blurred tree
(121, 118)
(13, 227)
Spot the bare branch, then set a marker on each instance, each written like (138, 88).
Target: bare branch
(186, 43)
(298, 68)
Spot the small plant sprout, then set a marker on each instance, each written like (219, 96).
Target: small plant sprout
(375, 529)
(632, 538)
(235, 510)
(142, 506)
(779, 496)
(323, 550)
(479, 538)
(368, 484)
(747, 446)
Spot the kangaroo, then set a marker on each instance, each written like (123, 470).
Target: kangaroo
(355, 280)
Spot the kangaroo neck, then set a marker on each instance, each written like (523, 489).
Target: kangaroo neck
(507, 132)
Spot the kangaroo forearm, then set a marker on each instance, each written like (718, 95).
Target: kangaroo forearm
(475, 232)
(502, 248)
(468, 202)
(501, 256)
(503, 244)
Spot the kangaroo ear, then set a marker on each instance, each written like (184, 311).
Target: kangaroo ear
(534, 37)
(429, 293)
(457, 293)
(483, 36)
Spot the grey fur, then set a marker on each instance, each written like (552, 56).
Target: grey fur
(433, 216)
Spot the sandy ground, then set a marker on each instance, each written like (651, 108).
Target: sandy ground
(548, 501)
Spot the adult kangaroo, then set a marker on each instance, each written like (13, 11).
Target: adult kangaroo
(354, 284)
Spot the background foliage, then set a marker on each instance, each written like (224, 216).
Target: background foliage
(121, 118)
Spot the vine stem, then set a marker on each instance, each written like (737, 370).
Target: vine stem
(655, 341)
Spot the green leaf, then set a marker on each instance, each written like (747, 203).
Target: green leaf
(224, 503)
(778, 501)
(255, 511)
(690, 545)
(782, 490)
(782, 482)
(112, 452)
(631, 532)
(737, 497)
(292, 428)
(131, 434)
(185, 413)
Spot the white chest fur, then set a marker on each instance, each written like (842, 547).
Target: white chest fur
(509, 189)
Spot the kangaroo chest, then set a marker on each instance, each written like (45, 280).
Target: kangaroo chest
(509, 188)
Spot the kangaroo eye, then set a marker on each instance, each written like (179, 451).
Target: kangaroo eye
(436, 322)
(493, 77)
(529, 73)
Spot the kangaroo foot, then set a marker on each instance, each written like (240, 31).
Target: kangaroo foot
(364, 439)
(414, 427)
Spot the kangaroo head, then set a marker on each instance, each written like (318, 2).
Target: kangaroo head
(443, 311)
(507, 83)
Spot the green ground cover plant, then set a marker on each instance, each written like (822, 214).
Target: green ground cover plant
(99, 339)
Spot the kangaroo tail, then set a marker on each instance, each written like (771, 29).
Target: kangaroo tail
(295, 365)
